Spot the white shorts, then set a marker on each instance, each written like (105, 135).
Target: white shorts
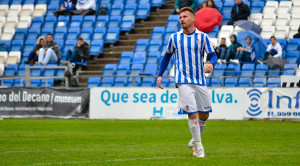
(193, 99)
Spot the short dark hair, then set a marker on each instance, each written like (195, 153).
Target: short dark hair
(249, 38)
(187, 9)
(223, 38)
(272, 37)
(49, 34)
(80, 38)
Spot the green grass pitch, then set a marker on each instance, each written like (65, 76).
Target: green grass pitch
(146, 142)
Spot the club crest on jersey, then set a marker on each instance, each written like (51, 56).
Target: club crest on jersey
(179, 41)
(198, 41)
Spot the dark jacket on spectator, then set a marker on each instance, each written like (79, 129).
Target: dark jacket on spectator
(54, 46)
(243, 13)
(83, 50)
(72, 81)
(185, 3)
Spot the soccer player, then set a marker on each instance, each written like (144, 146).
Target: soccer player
(189, 45)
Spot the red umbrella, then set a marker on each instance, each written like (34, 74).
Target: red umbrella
(207, 19)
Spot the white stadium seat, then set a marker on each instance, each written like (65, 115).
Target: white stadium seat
(11, 22)
(226, 31)
(256, 18)
(3, 10)
(24, 22)
(27, 10)
(295, 22)
(214, 42)
(272, 4)
(14, 10)
(3, 19)
(282, 32)
(268, 20)
(238, 29)
(269, 9)
(267, 32)
(13, 57)
(39, 10)
(3, 57)
(295, 10)
(6, 36)
(2, 68)
(293, 31)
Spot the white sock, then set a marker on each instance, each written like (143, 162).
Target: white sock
(195, 129)
(202, 125)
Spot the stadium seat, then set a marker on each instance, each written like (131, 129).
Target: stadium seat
(139, 58)
(150, 69)
(148, 82)
(143, 11)
(130, 9)
(126, 58)
(107, 81)
(261, 69)
(93, 82)
(20, 34)
(259, 82)
(244, 82)
(96, 47)
(51, 9)
(73, 33)
(217, 82)
(47, 82)
(112, 35)
(247, 69)
(123, 69)
(99, 34)
(60, 33)
(141, 45)
(158, 33)
(273, 82)
(128, 23)
(157, 3)
(153, 57)
(114, 21)
(121, 82)
(86, 33)
(50, 72)
(227, 7)
(76, 21)
(63, 21)
(231, 82)
(24, 22)
(173, 21)
(17, 45)
(293, 45)
(233, 70)
(289, 69)
(169, 32)
(46, 31)
(50, 22)
(117, 9)
(102, 21)
(292, 56)
(10, 70)
(69, 45)
(89, 21)
(5, 45)
(273, 72)
(154, 45)
(33, 33)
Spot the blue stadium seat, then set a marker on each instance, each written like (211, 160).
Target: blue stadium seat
(130, 9)
(227, 7)
(169, 32)
(63, 21)
(76, 21)
(113, 35)
(26, 2)
(109, 69)
(259, 82)
(5, 45)
(139, 58)
(157, 3)
(29, 45)
(50, 72)
(292, 56)
(247, 69)
(51, 9)
(33, 33)
(165, 82)
(41, 1)
(10, 70)
(273, 72)
(148, 82)
(144, 1)
(158, 33)
(126, 58)
(231, 82)
(257, 6)
(107, 81)
(115, 21)
(282, 43)
(86, 33)
(99, 34)
(244, 82)
(141, 45)
(17, 45)
(219, 70)
(93, 82)
(121, 82)
(118, 1)
(89, 21)
(37, 22)
(289, 69)
(73, 33)
(96, 47)
(20, 34)
(217, 82)
(153, 57)
(46, 31)
(128, 23)
(233, 70)
(36, 72)
(293, 45)
(69, 45)
(117, 9)
(143, 11)
(154, 45)
(261, 69)
(8, 82)
(273, 82)
(173, 21)
(150, 69)
(60, 33)
(123, 69)
(50, 22)
(35, 83)
(208, 81)
(47, 82)
(131, 2)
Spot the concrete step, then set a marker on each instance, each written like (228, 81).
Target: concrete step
(119, 48)
(169, 6)
(159, 18)
(127, 42)
(143, 30)
(139, 36)
(108, 61)
(162, 12)
(90, 73)
(98, 67)
(112, 54)
(151, 24)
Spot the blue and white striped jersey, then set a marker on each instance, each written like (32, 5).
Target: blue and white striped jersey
(189, 52)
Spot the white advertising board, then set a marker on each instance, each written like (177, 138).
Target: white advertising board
(146, 103)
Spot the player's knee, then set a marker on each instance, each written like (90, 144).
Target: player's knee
(193, 116)
(203, 116)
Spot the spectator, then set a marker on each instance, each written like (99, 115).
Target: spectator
(68, 5)
(85, 7)
(273, 50)
(72, 81)
(103, 10)
(231, 51)
(33, 56)
(239, 11)
(211, 4)
(297, 35)
(50, 51)
(221, 49)
(203, 5)
(184, 3)
(79, 53)
(246, 54)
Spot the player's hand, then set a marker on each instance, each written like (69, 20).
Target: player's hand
(208, 68)
(158, 82)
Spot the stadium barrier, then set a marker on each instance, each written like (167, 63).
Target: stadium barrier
(227, 103)
(38, 102)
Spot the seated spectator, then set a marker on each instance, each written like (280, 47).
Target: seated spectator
(103, 10)
(79, 53)
(273, 50)
(246, 54)
(68, 5)
(72, 81)
(84, 7)
(33, 56)
(50, 51)
(184, 3)
(239, 11)
(211, 4)
(203, 5)
(221, 49)
(231, 51)
(297, 35)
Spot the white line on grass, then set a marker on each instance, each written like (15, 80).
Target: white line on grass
(161, 158)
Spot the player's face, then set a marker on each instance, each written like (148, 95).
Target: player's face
(187, 19)
(273, 41)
